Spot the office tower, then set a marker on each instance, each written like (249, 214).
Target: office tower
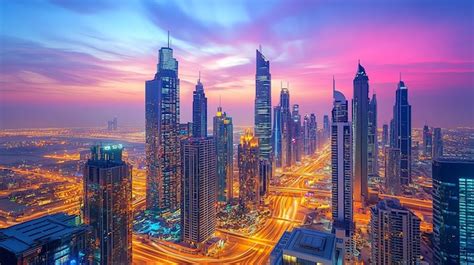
(286, 127)
(296, 143)
(199, 191)
(277, 137)
(313, 132)
(453, 209)
(306, 135)
(108, 205)
(51, 239)
(199, 110)
(385, 139)
(372, 141)
(223, 135)
(402, 131)
(263, 106)
(360, 123)
(326, 128)
(427, 141)
(437, 143)
(341, 175)
(248, 161)
(395, 234)
(305, 246)
(392, 171)
(162, 145)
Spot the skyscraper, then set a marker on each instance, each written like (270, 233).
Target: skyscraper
(395, 234)
(199, 194)
(296, 141)
(108, 205)
(263, 106)
(372, 142)
(385, 139)
(162, 135)
(306, 135)
(277, 137)
(360, 123)
(427, 141)
(341, 165)
(313, 133)
(392, 171)
(286, 126)
(402, 131)
(223, 135)
(326, 128)
(248, 160)
(437, 143)
(453, 208)
(199, 110)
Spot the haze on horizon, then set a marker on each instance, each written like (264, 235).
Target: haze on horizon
(81, 63)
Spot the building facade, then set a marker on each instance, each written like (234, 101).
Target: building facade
(277, 137)
(392, 171)
(372, 142)
(248, 162)
(223, 133)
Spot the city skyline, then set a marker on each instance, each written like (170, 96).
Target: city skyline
(112, 60)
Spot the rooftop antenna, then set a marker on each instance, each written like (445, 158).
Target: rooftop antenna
(168, 38)
(199, 80)
(400, 76)
(260, 48)
(359, 61)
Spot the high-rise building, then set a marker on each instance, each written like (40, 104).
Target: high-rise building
(248, 161)
(385, 139)
(437, 143)
(360, 123)
(395, 234)
(326, 128)
(199, 110)
(199, 191)
(162, 135)
(264, 172)
(341, 172)
(296, 141)
(286, 127)
(372, 142)
(306, 135)
(402, 131)
(453, 209)
(108, 205)
(223, 135)
(52, 239)
(313, 133)
(427, 141)
(392, 171)
(263, 106)
(277, 137)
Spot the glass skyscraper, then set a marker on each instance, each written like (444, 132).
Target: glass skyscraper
(263, 106)
(437, 143)
(372, 142)
(296, 133)
(277, 137)
(286, 127)
(223, 135)
(162, 137)
(453, 211)
(199, 111)
(360, 124)
(108, 205)
(248, 161)
(402, 131)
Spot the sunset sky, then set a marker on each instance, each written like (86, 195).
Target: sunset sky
(80, 63)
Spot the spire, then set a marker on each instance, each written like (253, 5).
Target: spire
(333, 83)
(400, 76)
(199, 79)
(260, 48)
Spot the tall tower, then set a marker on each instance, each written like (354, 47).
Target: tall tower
(453, 208)
(372, 142)
(108, 205)
(277, 137)
(437, 143)
(395, 234)
(341, 166)
(162, 145)
(199, 194)
(306, 135)
(402, 131)
(263, 106)
(326, 128)
(392, 171)
(427, 141)
(360, 123)
(199, 110)
(313, 133)
(286, 126)
(249, 186)
(385, 139)
(223, 135)
(296, 143)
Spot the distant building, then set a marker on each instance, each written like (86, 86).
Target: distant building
(304, 246)
(373, 146)
(341, 176)
(277, 137)
(199, 191)
(385, 139)
(249, 163)
(306, 135)
(326, 128)
(162, 135)
(199, 110)
(392, 171)
(112, 125)
(427, 141)
(296, 133)
(313, 133)
(437, 143)
(360, 124)
(402, 131)
(223, 135)
(108, 205)
(453, 209)
(286, 127)
(395, 234)
(51, 239)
